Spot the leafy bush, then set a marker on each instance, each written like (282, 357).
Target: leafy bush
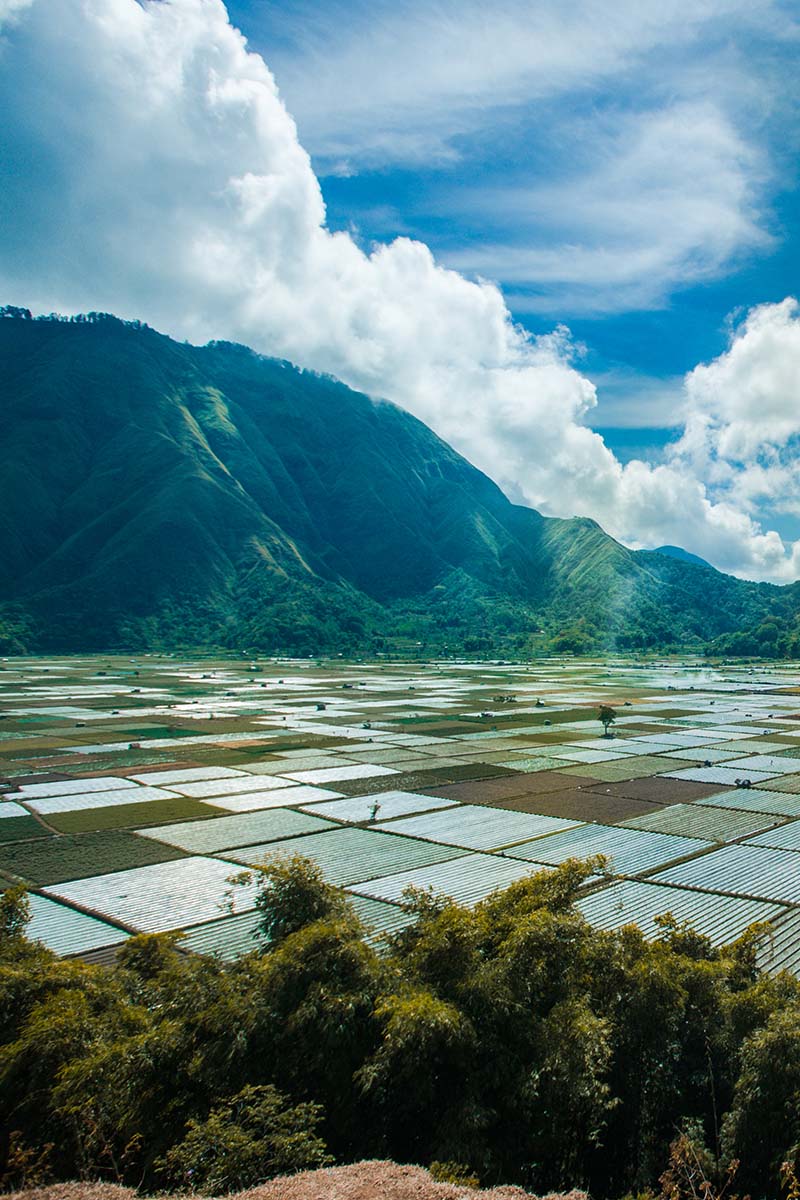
(250, 1138)
(452, 1172)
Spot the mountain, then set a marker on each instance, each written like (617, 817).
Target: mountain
(159, 494)
(683, 555)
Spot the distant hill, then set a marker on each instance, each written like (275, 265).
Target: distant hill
(684, 555)
(157, 494)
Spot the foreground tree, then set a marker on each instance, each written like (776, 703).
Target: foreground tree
(292, 893)
(510, 1040)
(313, 988)
(762, 1129)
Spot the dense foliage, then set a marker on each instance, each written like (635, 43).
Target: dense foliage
(512, 1042)
(776, 636)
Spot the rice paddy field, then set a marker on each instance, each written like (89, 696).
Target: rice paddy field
(132, 790)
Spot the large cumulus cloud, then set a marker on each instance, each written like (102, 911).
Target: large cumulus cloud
(149, 168)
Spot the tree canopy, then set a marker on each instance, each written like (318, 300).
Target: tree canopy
(511, 1041)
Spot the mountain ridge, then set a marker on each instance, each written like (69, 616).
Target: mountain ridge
(684, 556)
(162, 494)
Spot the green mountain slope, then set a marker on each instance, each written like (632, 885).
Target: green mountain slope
(161, 494)
(684, 555)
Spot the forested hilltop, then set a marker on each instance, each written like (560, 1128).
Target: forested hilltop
(511, 1043)
(158, 495)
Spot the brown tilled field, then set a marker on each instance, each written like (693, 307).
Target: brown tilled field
(582, 804)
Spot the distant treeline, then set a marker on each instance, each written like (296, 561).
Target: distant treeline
(13, 312)
(774, 637)
(512, 1041)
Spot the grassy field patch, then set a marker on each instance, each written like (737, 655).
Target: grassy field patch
(133, 816)
(76, 856)
(422, 781)
(15, 829)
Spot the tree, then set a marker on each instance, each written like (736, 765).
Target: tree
(762, 1128)
(311, 996)
(607, 716)
(292, 893)
(15, 914)
(417, 1081)
(511, 1039)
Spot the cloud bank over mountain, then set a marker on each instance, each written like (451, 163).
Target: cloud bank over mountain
(149, 168)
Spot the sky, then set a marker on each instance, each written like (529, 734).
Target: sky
(566, 237)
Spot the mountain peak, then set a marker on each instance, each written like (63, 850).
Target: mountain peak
(683, 555)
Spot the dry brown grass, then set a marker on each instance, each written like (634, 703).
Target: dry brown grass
(74, 1191)
(372, 1181)
(358, 1181)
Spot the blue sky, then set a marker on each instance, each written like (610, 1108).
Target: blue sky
(565, 237)
(469, 163)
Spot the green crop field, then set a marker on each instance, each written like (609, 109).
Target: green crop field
(137, 816)
(254, 739)
(75, 856)
(16, 829)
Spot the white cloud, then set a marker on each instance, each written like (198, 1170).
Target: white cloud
(9, 9)
(742, 430)
(150, 169)
(664, 198)
(651, 122)
(738, 457)
(747, 402)
(388, 81)
(631, 399)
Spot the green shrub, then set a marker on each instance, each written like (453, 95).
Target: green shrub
(254, 1136)
(453, 1172)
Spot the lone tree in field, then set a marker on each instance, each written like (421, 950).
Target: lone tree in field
(607, 716)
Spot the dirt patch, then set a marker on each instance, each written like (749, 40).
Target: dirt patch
(660, 791)
(670, 714)
(581, 805)
(76, 1191)
(184, 764)
(490, 791)
(52, 777)
(630, 767)
(429, 783)
(557, 736)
